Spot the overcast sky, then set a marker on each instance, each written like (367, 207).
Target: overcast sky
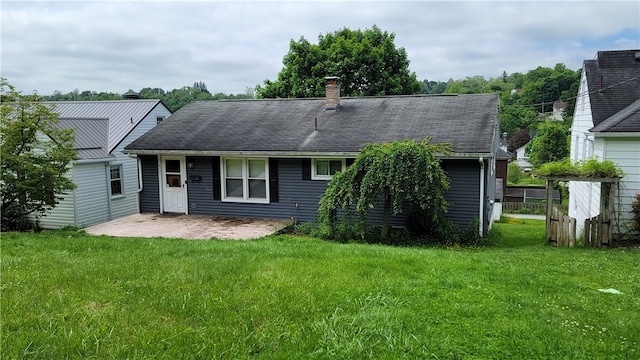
(115, 46)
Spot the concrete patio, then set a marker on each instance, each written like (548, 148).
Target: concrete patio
(195, 227)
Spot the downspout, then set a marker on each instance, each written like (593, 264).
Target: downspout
(108, 177)
(482, 204)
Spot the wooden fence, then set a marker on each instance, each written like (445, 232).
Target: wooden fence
(562, 229)
(597, 231)
(539, 208)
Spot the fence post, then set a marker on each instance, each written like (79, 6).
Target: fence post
(549, 208)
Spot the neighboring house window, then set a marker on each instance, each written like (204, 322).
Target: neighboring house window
(587, 148)
(324, 169)
(115, 175)
(245, 180)
(159, 119)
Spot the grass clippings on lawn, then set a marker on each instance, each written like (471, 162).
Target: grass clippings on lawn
(70, 295)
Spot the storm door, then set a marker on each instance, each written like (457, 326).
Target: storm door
(174, 194)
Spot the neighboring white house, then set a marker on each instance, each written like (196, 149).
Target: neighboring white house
(606, 126)
(522, 159)
(107, 181)
(558, 110)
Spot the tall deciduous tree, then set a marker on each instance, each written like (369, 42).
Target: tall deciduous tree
(394, 172)
(551, 143)
(34, 154)
(367, 62)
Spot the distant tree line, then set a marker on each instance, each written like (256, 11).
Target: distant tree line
(173, 99)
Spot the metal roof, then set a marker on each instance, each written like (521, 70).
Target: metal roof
(91, 136)
(122, 115)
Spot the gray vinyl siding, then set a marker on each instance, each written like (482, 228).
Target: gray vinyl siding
(150, 194)
(299, 198)
(127, 204)
(63, 214)
(91, 194)
(464, 191)
(87, 204)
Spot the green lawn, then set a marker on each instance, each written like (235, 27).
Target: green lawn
(70, 295)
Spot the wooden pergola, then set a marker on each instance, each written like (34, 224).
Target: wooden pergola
(561, 229)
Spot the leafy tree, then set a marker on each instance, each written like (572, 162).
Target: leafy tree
(432, 87)
(543, 86)
(514, 118)
(34, 154)
(550, 144)
(470, 85)
(367, 63)
(517, 79)
(149, 93)
(514, 173)
(497, 85)
(394, 172)
(519, 138)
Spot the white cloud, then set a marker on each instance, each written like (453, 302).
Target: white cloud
(116, 46)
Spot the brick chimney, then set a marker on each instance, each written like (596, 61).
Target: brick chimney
(332, 93)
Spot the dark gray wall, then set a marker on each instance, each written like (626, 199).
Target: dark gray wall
(464, 190)
(299, 198)
(150, 194)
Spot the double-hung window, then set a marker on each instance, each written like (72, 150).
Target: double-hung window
(115, 178)
(245, 180)
(324, 169)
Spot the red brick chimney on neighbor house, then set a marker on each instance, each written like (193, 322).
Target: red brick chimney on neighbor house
(332, 93)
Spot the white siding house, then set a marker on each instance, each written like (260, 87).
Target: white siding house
(106, 179)
(606, 126)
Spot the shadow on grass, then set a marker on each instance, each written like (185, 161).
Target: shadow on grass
(512, 232)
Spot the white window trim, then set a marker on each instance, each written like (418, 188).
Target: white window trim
(245, 180)
(121, 194)
(315, 176)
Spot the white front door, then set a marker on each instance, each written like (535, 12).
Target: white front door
(174, 193)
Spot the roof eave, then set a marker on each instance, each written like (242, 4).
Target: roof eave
(288, 154)
(617, 134)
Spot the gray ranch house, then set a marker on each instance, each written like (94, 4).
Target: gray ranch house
(273, 158)
(106, 179)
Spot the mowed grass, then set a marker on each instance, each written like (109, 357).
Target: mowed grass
(71, 295)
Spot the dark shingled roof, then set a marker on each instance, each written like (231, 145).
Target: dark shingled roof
(626, 120)
(613, 79)
(469, 122)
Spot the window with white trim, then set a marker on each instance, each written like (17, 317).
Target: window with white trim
(245, 180)
(115, 179)
(324, 169)
(159, 119)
